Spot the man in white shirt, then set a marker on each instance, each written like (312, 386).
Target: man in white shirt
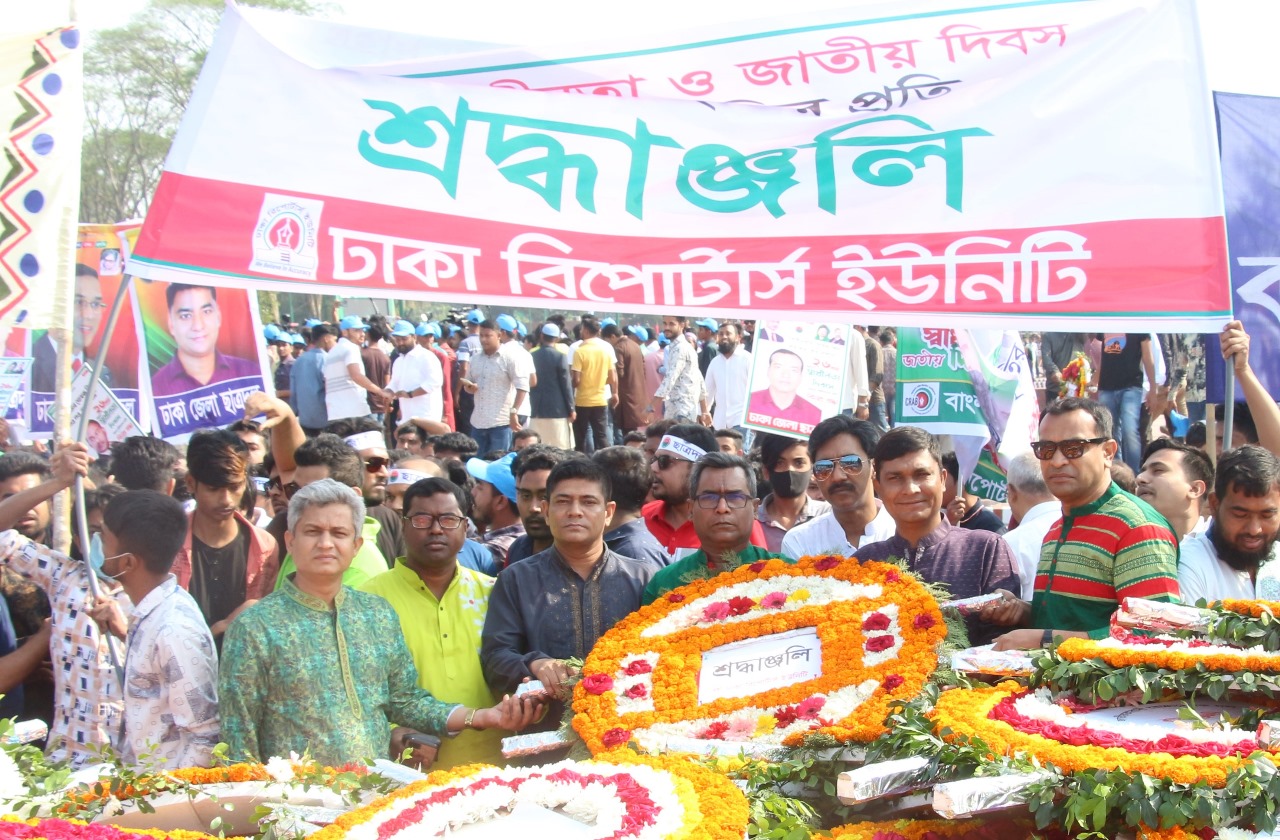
(344, 378)
(416, 377)
(1036, 509)
(840, 448)
(499, 390)
(1175, 480)
(1235, 556)
(729, 377)
(511, 345)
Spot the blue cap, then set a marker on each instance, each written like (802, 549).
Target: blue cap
(663, 341)
(639, 332)
(607, 322)
(550, 330)
(454, 328)
(294, 338)
(708, 323)
(311, 322)
(272, 333)
(498, 473)
(506, 322)
(429, 328)
(402, 329)
(475, 316)
(352, 322)
(520, 330)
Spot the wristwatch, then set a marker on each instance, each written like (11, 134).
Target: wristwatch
(1046, 639)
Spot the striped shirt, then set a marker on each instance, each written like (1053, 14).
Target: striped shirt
(1115, 547)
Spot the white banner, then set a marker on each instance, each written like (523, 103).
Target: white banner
(978, 164)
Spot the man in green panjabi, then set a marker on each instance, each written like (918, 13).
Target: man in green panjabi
(317, 667)
(723, 489)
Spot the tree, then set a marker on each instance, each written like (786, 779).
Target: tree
(138, 78)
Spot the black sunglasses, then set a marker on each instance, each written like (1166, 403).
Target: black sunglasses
(1071, 449)
(825, 468)
(376, 463)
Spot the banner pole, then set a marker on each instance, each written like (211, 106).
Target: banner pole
(1228, 406)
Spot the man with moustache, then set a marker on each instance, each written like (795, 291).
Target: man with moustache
(682, 394)
(441, 605)
(531, 467)
(1108, 545)
(669, 515)
(723, 488)
(1235, 556)
(557, 604)
(788, 469)
(840, 449)
(729, 377)
(417, 379)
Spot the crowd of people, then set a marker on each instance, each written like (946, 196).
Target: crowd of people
(408, 550)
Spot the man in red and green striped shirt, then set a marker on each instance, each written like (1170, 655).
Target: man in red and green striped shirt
(1107, 546)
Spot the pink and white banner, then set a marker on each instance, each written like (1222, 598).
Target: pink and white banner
(1033, 164)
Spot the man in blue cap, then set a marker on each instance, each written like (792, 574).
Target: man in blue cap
(494, 505)
(429, 339)
(344, 376)
(416, 377)
(551, 401)
(281, 356)
(499, 390)
(468, 347)
(511, 344)
(706, 331)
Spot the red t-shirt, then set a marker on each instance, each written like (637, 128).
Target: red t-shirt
(683, 541)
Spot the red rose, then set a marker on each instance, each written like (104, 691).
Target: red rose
(876, 621)
(675, 597)
(892, 576)
(640, 666)
(616, 737)
(828, 563)
(715, 731)
(924, 621)
(637, 692)
(757, 567)
(597, 683)
(893, 681)
(878, 643)
(740, 605)
(1105, 738)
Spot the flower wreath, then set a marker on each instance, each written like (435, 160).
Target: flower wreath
(1180, 833)
(878, 626)
(1174, 654)
(626, 797)
(1010, 719)
(980, 829)
(293, 770)
(16, 828)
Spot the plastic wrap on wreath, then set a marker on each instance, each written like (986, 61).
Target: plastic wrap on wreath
(401, 773)
(286, 820)
(885, 778)
(1269, 734)
(983, 794)
(532, 743)
(969, 606)
(1158, 617)
(985, 659)
(27, 731)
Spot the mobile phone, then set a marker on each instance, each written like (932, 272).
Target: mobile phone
(260, 484)
(421, 739)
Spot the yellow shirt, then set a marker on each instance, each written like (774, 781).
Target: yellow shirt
(592, 361)
(444, 638)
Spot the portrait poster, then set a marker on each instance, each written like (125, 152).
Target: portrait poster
(13, 377)
(798, 372)
(204, 354)
(109, 421)
(100, 254)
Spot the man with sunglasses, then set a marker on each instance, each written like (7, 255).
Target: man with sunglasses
(723, 488)
(1107, 546)
(909, 477)
(841, 448)
(670, 515)
(441, 605)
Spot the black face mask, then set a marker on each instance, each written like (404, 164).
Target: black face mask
(789, 484)
(726, 347)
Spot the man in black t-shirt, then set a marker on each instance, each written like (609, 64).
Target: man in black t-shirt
(1125, 357)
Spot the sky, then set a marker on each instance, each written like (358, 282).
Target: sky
(1239, 35)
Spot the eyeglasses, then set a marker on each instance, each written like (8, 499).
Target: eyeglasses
(288, 489)
(735, 500)
(425, 521)
(850, 464)
(1071, 449)
(376, 463)
(95, 304)
(664, 462)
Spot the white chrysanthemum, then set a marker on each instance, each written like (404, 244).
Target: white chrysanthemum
(280, 769)
(12, 785)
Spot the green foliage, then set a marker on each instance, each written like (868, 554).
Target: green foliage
(138, 78)
(1242, 631)
(1094, 681)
